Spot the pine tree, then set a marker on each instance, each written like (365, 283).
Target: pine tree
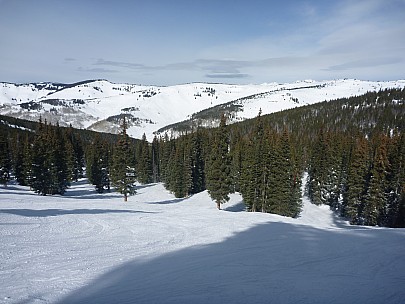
(284, 184)
(144, 167)
(155, 160)
(75, 154)
(396, 182)
(248, 178)
(237, 161)
(197, 163)
(319, 170)
(375, 199)
(357, 182)
(122, 172)
(38, 176)
(256, 170)
(98, 165)
(218, 180)
(58, 163)
(18, 160)
(5, 158)
(28, 162)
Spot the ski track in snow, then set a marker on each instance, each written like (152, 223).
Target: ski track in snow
(89, 248)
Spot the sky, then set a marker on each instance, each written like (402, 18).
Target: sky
(161, 42)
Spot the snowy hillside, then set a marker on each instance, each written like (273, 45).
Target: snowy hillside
(99, 104)
(90, 248)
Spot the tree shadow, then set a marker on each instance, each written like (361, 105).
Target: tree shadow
(58, 212)
(16, 190)
(238, 207)
(168, 202)
(269, 263)
(142, 186)
(89, 194)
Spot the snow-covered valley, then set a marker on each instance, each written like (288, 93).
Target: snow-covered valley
(85, 247)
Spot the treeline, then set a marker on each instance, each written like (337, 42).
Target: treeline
(262, 165)
(353, 150)
(363, 178)
(48, 158)
(47, 161)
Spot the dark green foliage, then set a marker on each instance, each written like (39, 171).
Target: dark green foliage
(123, 175)
(75, 154)
(396, 182)
(144, 163)
(155, 150)
(21, 145)
(218, 167)
(197, 162)
(325, 170)
(98, 163)
(5, 159)
(255, 170)
(182, 163)
(48, 174)
(288, 188)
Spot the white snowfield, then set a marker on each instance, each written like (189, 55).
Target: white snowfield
(94, 104)
(89, 248)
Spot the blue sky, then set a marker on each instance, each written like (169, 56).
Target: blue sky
(172, 42)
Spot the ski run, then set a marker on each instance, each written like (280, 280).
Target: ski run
(85, 247)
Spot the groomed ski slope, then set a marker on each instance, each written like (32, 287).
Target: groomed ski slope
(89, 248)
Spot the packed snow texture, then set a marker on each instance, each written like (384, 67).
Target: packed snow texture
(94, 104)
(84, 247)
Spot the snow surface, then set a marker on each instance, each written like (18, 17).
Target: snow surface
(89, 248)
(157, 107)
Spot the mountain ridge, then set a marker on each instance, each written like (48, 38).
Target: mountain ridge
(99, 104)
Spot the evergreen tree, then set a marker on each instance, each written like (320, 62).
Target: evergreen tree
(98, 165)
(75, 154)
(122, 172)
(218, 180)
(18, 161)
(357, 182)
(248, 178)
(155, 160)
(322, 171)
(144, 167)
(285, 182)
(28, 162)
(5, 159)
(57, 161)
(375, 199)
(396, 182)
(256, 170)
(237, 161)
(39, 178)
(197, 162)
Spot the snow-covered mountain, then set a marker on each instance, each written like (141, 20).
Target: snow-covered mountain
(98, 104)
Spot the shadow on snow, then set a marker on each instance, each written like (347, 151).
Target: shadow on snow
(274, 262)
(57, 212)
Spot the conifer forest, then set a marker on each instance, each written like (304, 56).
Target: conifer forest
(352, 151)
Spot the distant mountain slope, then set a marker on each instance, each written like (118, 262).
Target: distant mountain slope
(98, 104)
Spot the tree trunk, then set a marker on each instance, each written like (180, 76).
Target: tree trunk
(125, 197)
(219, 205)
